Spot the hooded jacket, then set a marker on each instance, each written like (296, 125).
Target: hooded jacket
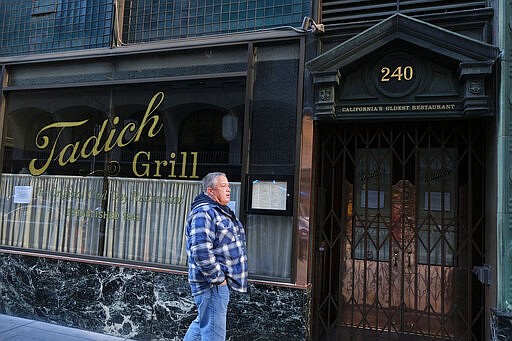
(215, 242)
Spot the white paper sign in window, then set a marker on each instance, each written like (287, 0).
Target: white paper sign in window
(22, 194)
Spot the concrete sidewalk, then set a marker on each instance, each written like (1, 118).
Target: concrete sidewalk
(20, 329)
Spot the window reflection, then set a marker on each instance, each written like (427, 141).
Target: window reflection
(160, 140)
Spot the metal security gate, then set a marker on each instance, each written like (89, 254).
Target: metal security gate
(400, 224)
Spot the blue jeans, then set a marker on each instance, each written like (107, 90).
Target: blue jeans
(210, 323)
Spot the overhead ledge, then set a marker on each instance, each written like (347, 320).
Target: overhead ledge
(417, 32)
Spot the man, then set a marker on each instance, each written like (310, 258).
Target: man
(217, 261)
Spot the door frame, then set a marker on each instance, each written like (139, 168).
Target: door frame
(327, 255)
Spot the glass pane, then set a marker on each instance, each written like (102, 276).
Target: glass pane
(437, 206)
(372, 206)
(274, 117)
(49, 212)
(150, 21)
(436, 246)
(372, 244)
(112, 171)
(44, 26)
(269, 240)
(183, 64)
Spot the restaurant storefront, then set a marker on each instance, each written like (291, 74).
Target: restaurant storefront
(363, 176)
(102, 157)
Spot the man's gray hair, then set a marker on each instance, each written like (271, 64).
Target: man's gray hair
(210, 180)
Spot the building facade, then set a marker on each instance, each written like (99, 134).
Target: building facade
(366, 144)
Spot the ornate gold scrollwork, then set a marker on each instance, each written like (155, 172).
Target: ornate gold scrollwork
(112, 168)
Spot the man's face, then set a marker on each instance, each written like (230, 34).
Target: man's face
(221, 191)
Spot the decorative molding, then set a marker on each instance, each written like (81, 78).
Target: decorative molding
(112, 168)
(475, 60)
(475, 87)
(326, 84)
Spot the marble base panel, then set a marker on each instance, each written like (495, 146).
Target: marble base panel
(138, 304)
(501, 325)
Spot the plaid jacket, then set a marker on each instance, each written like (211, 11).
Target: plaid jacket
(215, 247)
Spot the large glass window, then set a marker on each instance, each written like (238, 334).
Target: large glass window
(111, 171)
(274, 129)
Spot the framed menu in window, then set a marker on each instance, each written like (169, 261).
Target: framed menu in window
(270, 194)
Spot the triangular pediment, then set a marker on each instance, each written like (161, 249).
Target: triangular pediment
(401, 27)
(363, 77)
